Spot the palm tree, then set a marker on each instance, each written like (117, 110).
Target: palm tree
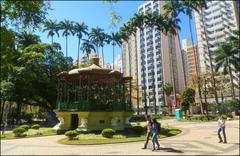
(174, 8)
(87, 47)
(27, 38)
(95, 36)
(105, 38)
(80, 30)
(226, 58)
(52, 27)
(137, 22)
(115, 39)
(67, 27)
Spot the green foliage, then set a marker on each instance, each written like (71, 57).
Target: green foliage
(156, 116)
(137, 118)
(187, 98)
(19, 131)
(138, 130)
(231, 105)
(108, 133)
(168, 88)
(26, 127)
(24, 13)
(71, 134)
(36, 126)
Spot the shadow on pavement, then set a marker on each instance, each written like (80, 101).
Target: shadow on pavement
(171, 150)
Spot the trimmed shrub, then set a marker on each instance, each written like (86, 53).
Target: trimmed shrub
(137, 118)
(19, 131)
(36, 126)
(71, 134)
(108, 133)
(138, 130)
(156, 116)
(26, 127)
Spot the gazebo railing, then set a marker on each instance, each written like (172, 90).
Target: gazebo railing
(93, 106)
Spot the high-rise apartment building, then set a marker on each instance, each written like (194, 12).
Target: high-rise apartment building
(159, 60)
(218, 22)
(190, 60)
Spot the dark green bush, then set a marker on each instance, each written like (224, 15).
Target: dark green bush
(71, 134)
(108, 133)
(19, 131)
(26, 127)
(137, 118)
(138, 130)
(36, 126)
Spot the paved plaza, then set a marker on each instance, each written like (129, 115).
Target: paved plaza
(196, 139)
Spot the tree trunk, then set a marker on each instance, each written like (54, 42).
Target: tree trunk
(196, 66)
(205, 95)
(78, 51)
(231, 78)
(102, 57)
(210, 60)
(2, 111)
(113, 56)
(137, 87)
(19, 107)
(52, 39)
(172, 75)
(66, 46)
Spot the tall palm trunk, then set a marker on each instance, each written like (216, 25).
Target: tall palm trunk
(231, 78)
(205, 95)
(196, 66)
(79, 40)
(102, 57)
(210, 59)
(137, 79)
(172, 72)
(52, 39)
(66, 46)
(113, 55)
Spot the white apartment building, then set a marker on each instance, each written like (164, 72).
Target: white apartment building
(218, 20)
(158, 55)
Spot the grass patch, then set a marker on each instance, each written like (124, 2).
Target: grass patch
(31, 133)
(120, 137)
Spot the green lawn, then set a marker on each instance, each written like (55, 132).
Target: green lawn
(120, 137)
(31, 133)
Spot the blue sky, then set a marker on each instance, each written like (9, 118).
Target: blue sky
(95, 13)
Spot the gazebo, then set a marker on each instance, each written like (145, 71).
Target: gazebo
(93, 98)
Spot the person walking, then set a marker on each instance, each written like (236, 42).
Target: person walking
(156, 130)
(149, 131)
(221, 127)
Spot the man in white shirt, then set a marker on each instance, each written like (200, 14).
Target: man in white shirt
(221, 127)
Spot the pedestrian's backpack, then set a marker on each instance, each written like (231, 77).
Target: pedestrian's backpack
(159, 127)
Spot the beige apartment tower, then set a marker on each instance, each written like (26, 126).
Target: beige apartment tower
(154, 59)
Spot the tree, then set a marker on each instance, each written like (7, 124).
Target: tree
(87, 47)
(80, 30)
(67, 27)
(52, 27)
(96, 37)
(187, 99)
(25, 39)
(115, 39)
(168, 88)
(25, 14)
(226, 58)
(105, 38)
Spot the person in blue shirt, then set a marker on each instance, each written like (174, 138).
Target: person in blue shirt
(155, 132)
